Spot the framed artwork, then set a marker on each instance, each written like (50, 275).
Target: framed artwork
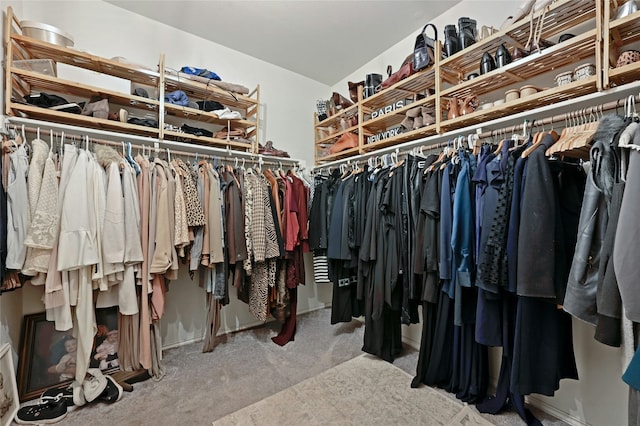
(48, 356)
(9, 399)
(105, 345)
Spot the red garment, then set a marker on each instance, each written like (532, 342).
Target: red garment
(292, 236)
(301, 194)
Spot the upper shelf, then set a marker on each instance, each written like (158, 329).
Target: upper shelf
(561, 16)
(417, 83)
(625, 30)
(565, 53)
(44, 82)
(386, 121)
(198, 90)
(334, 119)
(82, 120)
(42, 50)
(544, 97)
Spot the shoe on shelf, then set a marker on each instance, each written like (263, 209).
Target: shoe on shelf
(113, 391)
(46, 412)
(428, 117)
(269, 149)
(407, 123)
(227, 114)
(72, 395)
(487, 64)
(209, 106)
(94, 384)
(122, 115)
(417, 122)
(503, 57)
(226, 133)
(413, 112)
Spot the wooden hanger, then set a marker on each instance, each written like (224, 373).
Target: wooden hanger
(582, 141)
(537, 140)
(563, 135)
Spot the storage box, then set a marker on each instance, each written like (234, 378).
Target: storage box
(42, 66)
(46, 32)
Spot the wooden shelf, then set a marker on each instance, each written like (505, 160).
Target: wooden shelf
(329, 139)
(42, 50)
(81, 120)
(334, 119)
(626, 74)
(338, 155)
(395, 117)
(545, 97)
(417, 83)
(203, 140)
(42, 82)
(204, 117)
(20, 82)
(625, 30)
(195, 89)
(402, 137)
(568, 52)
(563, 15)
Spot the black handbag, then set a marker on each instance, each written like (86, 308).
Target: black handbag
(423, 53)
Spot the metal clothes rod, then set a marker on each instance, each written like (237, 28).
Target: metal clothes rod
(560, 117)
(80, 132)
(364, 158)
(256, 158)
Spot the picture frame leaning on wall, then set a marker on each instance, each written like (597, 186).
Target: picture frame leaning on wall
(9, 399)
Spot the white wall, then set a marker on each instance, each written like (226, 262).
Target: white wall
(287, 105)
(600, 396)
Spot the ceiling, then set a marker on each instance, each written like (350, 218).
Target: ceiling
(322, 40)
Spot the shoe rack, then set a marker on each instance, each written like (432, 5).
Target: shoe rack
(329, 130)
(594, 37)
(542, 66)
(21, 81)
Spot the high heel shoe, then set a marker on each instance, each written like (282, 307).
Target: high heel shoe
(487, 63)
(502, 56)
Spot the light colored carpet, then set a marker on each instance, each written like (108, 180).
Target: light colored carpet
(364, 390)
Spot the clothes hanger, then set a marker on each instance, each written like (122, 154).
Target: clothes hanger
(581, 142)
(563, 135)
(537, 140)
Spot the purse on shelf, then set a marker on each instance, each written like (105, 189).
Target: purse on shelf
(535, 41)
(406, 69)
(353, 89)
(346, 141)
(423, 49)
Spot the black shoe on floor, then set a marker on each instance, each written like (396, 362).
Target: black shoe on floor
(66, 395)
(45, 413)
(112, 393)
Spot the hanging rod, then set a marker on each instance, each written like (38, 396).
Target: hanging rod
(559, 118)
(193, 149)
(256, 158)
(518, 117)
